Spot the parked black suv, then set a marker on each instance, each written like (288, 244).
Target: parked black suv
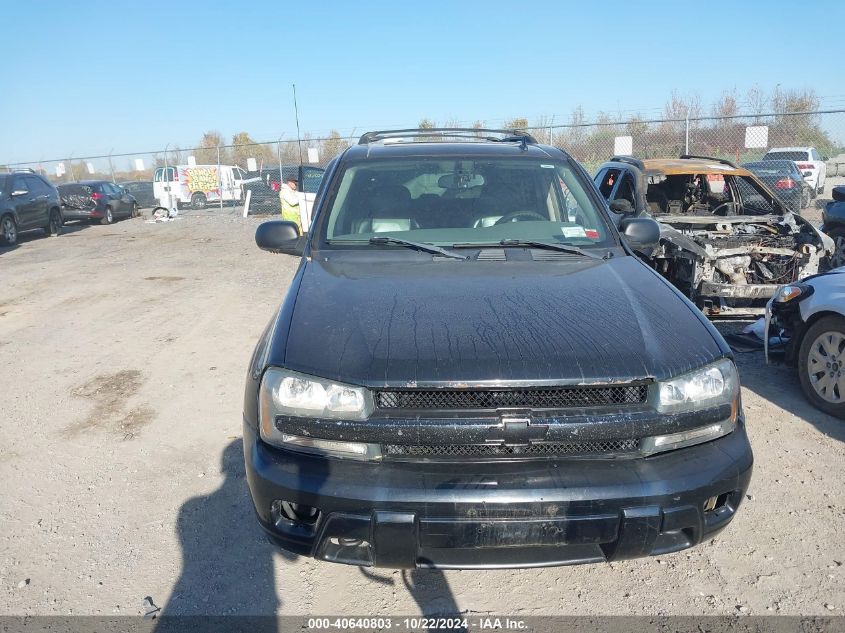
(27, 201)
(473, 369)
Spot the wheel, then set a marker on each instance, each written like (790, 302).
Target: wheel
(198, 201)
(805, 198)
(134, 212)
(54, 226)
(108, 218)
(821, 365)
(838, 237)
(8, 231)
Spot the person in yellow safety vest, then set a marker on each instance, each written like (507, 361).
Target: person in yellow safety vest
(290, 202)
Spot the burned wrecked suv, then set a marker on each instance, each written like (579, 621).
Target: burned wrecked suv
(471, 369)
(727, 241)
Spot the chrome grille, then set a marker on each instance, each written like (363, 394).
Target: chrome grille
(537, 449)
(531, 398)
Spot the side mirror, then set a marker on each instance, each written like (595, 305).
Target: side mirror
(19, 192)
(622, 206)
(280, 236)
(640, 233)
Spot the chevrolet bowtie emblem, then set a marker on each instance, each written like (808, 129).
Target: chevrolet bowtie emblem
(516, 431)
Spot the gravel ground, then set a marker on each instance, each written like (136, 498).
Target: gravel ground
(122, 356)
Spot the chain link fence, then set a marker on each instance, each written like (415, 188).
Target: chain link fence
(221, 178)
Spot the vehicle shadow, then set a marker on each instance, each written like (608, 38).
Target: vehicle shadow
(25, 238)
(779, 384)
(227, 562)
(429, 589)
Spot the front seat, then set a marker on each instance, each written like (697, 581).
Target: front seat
(390, 210)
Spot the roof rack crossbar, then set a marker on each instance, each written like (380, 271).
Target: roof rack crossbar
(516, 136)
(723, 161)
(636, 162)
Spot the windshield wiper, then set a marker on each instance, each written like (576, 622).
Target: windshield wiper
(420, 246)
(563, 248)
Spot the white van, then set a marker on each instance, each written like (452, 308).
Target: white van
(199, 185)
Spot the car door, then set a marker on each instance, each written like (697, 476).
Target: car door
(41, 212)
(25, 203)
(125, 199)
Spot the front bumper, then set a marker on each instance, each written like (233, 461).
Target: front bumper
(495, 515)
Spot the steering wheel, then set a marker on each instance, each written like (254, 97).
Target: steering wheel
(726, 205)
(523, 213)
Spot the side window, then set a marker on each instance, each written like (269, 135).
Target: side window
(625, 191)
(755, 201)
(814, 154)
(20, 184)
(35, 186)
(608, 180)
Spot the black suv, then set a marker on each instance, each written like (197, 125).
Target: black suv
(27, 201)
(473, 369)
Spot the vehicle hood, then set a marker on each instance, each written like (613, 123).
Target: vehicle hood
(430, 321)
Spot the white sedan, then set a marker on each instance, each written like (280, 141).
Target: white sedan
(811, 315)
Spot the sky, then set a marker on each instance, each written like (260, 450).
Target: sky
(89, 77)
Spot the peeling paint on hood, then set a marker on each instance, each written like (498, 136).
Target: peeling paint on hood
(418, 322)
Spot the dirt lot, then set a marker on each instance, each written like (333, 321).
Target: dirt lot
(122, 355)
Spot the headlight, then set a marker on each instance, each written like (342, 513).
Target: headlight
(791, 293)
(709, 386)
(290, 393)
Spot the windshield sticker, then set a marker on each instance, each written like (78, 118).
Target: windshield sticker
(547, 166)
(573, 231)
(592, 234)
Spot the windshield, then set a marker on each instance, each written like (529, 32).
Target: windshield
(445, 202)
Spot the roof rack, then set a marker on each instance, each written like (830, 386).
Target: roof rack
(477, 134)
(713, 158)
(636, 162)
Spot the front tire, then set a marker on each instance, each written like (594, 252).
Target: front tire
(134, 212)
(198, 201)
(8, 231)
(821, 365)
(108, 218)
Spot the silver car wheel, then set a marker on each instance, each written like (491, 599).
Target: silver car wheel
(826, 366)
(10, 231)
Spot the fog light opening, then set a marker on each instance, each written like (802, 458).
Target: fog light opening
(294, 512)
(716, 503)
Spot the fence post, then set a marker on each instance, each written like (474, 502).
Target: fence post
(219, 179)
(111, 167)
(686, 143)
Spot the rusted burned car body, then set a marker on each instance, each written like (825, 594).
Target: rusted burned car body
(727, 241)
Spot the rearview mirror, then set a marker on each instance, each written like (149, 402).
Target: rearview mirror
(622, 206)
(640, 233)
(280, 236)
